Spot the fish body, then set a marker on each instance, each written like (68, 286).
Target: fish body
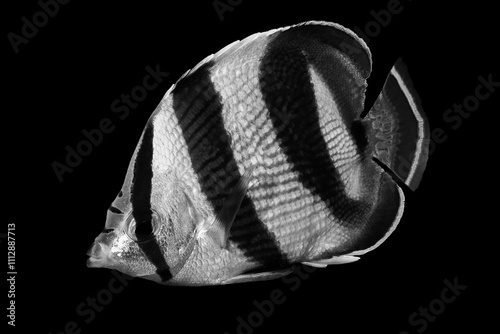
(258, 158)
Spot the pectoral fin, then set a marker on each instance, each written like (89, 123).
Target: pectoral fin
(225, 218)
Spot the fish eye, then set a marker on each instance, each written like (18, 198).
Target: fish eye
(144, 231)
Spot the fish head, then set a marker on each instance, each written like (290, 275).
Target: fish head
(171, 230)
(116, 246)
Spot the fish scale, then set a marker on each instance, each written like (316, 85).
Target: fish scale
(302, 139)
(257, 123)
(177, 153)
(341, 147)
(215, 164)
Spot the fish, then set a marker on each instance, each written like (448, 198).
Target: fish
(263, 157)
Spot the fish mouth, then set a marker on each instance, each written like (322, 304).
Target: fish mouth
(94, 255)
(100, 251)
(98, 257)
(94, 262)
(93, 249)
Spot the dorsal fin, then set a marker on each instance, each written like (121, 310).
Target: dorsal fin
(346, 40)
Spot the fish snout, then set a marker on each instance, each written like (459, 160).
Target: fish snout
(99, 250)
(94, 250)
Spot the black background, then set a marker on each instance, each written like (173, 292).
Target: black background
(64, 80)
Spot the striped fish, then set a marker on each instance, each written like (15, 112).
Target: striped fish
(260, 157)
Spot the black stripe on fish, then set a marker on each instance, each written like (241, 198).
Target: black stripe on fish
(196, 100)
(141, 205)
(358, 133)
(341, 61)
(289, 96)
(143, 175)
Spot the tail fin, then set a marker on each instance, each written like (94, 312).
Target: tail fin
(400, 130)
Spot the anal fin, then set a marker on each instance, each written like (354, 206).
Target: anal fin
(332, 261)
(262, 276)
